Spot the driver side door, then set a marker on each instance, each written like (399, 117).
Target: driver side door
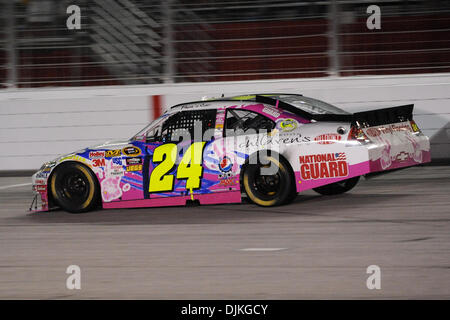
(173, 161)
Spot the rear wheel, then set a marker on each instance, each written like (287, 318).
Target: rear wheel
(268, 190)
(74, 187)
(337, 187)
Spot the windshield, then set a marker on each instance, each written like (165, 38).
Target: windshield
(310, 105)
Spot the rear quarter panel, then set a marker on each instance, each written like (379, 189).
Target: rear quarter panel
(324, 156)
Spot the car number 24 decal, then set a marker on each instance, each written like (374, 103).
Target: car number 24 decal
(190, 167)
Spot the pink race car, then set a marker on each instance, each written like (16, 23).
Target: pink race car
(267, 147)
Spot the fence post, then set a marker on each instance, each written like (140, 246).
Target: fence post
(11, 43)
(169, 54)
(333, 39)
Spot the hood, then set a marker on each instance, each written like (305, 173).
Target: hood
(119, 144)
(109, 145)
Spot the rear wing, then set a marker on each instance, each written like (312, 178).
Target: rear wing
(365, 118)
(379, 117)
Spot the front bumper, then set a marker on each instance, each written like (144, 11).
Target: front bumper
(40, 200)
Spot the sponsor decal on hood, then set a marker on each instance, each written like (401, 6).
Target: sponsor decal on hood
(96, 154)
(131, 151)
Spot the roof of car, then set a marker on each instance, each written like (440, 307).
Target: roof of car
(245, 98)
(289, 102)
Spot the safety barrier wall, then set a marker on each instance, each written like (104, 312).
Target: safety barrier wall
(36, 125)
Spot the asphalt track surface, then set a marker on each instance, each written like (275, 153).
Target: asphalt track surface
(316, 248)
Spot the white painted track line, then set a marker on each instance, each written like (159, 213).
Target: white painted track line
(262, 249)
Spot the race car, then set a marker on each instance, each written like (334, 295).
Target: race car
(263, 147)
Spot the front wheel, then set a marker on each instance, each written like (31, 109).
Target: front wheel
(337, 187)
(74, 187)
(268, 190)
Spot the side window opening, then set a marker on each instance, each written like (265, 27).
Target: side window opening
(192, 122)
(239, 121)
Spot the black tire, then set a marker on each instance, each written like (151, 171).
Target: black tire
(293, 195)
(268, 190)
(337, 187)
(74, 187)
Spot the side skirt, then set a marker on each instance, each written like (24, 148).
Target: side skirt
(210, 198)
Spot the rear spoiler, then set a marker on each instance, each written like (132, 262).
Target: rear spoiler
(379, 117)
(365, 118)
